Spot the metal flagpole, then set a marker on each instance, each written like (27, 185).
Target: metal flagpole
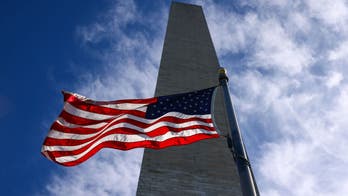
(235, 143)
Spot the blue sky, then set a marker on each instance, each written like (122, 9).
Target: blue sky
(287, 62)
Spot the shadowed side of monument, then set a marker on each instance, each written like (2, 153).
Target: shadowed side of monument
(188, 63)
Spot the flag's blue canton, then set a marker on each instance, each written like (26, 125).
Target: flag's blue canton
(197, 102)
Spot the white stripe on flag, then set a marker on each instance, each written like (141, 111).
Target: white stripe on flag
(61, 135)
(126, 106)
(85, 114)
(122, 138)
(130, 116)
(64, 123)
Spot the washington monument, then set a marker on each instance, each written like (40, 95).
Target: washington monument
(189, 62)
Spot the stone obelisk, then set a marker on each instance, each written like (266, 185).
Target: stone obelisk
(188, 63)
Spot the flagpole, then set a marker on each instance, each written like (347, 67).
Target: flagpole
(235, 141)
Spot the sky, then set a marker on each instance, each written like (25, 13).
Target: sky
(287, 63)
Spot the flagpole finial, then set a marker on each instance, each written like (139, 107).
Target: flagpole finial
(222, 74)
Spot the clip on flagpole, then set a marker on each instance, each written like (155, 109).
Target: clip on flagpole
(235, 143)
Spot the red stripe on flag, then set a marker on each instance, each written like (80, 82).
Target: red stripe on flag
(83, 130)
(99, 109)
(70, 97)
(83, 121)
(85, 126)
(156, 132)
(127, 146)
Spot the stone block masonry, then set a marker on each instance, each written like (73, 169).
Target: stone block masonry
(188, 63)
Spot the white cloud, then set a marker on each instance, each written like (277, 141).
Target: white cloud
(263, 38)
(339, 53)
(330, 12)
(276, 50)
(289, 90)
(298, 21)
(107, 173)
(334, 79)
(127, 68)
(232, 30)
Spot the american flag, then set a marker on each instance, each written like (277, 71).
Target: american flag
(85, 126)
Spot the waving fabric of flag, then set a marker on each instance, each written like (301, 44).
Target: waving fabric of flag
(85, 126)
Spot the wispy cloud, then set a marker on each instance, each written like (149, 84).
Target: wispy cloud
(289, 90)
(128, 64)
(288, 66)
(108, 173)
